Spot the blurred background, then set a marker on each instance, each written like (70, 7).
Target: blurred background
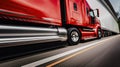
(116, 7)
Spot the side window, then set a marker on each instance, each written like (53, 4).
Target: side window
(91, 14)
(75, 6)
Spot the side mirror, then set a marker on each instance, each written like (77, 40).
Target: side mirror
(98, 13)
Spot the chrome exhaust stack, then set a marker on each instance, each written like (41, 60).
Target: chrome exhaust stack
(19, 35)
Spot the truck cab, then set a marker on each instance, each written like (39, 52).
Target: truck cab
(82, 17)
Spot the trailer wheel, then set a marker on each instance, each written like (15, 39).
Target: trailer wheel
(74, 36)
(99, 34)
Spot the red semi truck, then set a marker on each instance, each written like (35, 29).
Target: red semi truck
(37, 21)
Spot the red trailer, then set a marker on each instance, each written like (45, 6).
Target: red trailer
(35, 21)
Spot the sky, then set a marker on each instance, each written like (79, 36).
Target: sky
(116, 5)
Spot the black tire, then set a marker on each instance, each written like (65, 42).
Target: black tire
(74, 36)
(99, 34)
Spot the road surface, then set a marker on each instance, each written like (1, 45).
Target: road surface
(92, 53)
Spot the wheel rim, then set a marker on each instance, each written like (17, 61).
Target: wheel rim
(74, 36)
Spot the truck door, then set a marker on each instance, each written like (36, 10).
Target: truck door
(75, 12)
(91, 19)
(85, 11)
(90, 16)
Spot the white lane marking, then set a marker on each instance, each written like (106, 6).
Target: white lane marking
(46, 60)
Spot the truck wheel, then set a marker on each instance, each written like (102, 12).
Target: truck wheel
(74, 36)
(99, 34)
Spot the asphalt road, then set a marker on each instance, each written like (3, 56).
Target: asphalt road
(91, 53)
